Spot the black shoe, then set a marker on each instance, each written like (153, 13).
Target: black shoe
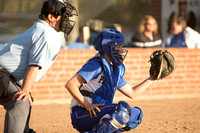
(31, 131)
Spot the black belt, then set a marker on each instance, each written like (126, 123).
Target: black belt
(86, 93)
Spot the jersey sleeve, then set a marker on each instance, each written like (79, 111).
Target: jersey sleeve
(121, 83)
(44, 49)
(90, 70)
(38, 51)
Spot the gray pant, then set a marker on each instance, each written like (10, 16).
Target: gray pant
(17, 112)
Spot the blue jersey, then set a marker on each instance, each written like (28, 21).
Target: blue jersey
(94, 75)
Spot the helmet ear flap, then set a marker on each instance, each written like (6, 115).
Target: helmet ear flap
(98, 42)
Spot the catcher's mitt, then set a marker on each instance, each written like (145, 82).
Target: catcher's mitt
(162, 64)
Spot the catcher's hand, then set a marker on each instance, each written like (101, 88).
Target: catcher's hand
(162, 64)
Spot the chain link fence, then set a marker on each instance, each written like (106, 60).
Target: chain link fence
(16, 16)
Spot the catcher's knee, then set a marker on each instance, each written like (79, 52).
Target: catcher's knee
(116, 120)
(135, 119)
(121, 115)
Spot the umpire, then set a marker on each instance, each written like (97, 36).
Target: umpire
(26, 58)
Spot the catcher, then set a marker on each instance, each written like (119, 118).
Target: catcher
(93, 88)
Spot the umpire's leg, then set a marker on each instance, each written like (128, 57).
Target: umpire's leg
(17, 112)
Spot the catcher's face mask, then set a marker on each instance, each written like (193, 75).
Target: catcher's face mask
(118, 53)
(66, 25)
(111, 41)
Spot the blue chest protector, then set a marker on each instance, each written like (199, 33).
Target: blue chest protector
(105, 94)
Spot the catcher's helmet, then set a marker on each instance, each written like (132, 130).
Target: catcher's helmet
(111, 42)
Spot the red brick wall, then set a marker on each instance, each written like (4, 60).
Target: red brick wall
(154, 9)
(183, 82)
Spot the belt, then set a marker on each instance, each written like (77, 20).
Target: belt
(86, 93)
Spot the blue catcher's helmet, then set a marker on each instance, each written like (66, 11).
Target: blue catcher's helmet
(111, 42)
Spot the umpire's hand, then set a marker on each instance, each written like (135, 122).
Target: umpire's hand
(23, 95)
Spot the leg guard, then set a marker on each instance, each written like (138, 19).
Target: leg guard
(118, 119)
(104, 126)
(135, 119)
(121, 115)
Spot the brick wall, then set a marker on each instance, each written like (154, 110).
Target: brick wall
(154, 9)
(183, 82)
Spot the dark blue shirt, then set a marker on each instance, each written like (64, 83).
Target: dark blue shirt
(178, 41)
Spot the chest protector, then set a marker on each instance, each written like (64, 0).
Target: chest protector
(105, 94)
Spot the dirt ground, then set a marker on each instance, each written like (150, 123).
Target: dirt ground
(160, 116)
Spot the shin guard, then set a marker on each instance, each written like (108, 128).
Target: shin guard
(117, 120)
